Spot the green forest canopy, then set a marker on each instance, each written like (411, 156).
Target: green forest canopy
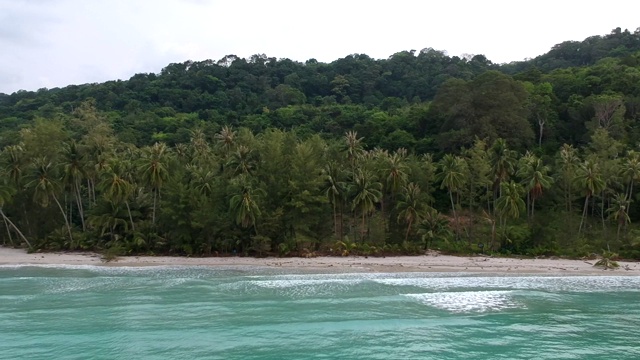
(266, 155)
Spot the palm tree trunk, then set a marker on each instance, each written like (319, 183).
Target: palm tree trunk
(493, 234)
(133, 227)
(604, 227)
(584, 214)
(15, 228)
(66, 220)
(335, 217)
(341, 221)
(617, 236)
(384, 217)
(363, 224)
(470, 229)
(533, 207)
(26, 220)
(472, 195)
(541, 125)
(70, 204)
(89, 192)
(503, 225)
(6, 224)
(79, 203)
(455, 215)
(93, 190)
(153, 214)
(486, 188)
(406, 236)
(354, 225)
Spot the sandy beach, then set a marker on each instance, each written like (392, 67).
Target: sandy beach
(425, 263)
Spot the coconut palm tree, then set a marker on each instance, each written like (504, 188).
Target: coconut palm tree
(201, 179)
(396, 171)
(433, 226)
(15, 162)
(354, 148)
(108, 217)
(567, 163)
(630, 171)
(534, 175)
(510, 203)
(451, 176)
(226, 139)
(589, 179)
(503, 162)
(96, 154)
(242, 161)
(200, 146)
(153, 168)
(45, 185)
(619, 211)
(410, 207)
(479, 175)
(183, 153)
(73, 174)
(116, 188)
(366, 193)
(244, 205)
(335, 190)
(6, 193)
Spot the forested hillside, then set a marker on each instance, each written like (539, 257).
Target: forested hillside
(264, 155)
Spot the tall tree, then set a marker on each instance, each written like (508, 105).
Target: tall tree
(242, 161)
(6, 194)
(244, 205)
(154, 171)
(116, 188)
(503, 162)
(567, 162)
(410, 207)
(478, 189)
(451, 176)
(226, 140)
(354, 148)
(540, 105)
(510, 203)
(366, 193)
(45, 185)
(619, 211)
(433, 226)
(589, 179)
(73, 174)
(535, 177)
(335, 190)
(630, 171)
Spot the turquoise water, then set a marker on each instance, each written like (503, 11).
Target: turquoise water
(204, 313)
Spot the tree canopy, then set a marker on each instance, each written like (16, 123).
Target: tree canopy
(360, 155)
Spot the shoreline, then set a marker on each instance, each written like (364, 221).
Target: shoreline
(420, 263)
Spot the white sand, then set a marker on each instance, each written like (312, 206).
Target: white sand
(426, 263)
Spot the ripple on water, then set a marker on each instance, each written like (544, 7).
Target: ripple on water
(469, 301)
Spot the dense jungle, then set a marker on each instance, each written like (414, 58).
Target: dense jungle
(264, 156)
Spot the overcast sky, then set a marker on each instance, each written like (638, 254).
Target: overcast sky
(54, 43)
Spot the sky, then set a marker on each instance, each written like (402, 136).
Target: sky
(55, 43)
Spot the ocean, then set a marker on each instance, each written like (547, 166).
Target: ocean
(87, 312)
